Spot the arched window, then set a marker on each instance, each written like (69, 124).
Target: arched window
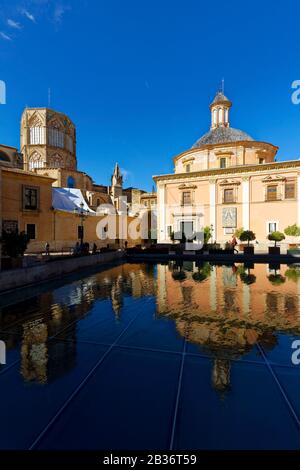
(98, 202)
(71, 182)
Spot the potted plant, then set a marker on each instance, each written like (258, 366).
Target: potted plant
(292, 231)
(237, 233)
(275, 237)
(248, 236)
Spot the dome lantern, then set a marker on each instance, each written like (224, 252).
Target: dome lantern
(220, 110)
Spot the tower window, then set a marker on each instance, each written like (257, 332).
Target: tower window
(188, 168)
(71, 182)
(261, 161)
(222, 162)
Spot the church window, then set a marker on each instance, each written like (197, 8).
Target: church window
(186, 198)
(272, 193)
(188, 168)
(30, 198)
(228, 196)
(37, 136)
(290, 190)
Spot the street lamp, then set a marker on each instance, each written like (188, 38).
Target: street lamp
(81, 213)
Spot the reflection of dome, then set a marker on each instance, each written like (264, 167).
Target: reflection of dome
(222, 135)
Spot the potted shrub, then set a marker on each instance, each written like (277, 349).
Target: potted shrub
(294, 232)
(275, 237)
(248, 236)
(237, 233)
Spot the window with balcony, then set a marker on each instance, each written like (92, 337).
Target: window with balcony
(290, 190)
(272, 193)
(228, 196)
(186, 198)
(30, 198)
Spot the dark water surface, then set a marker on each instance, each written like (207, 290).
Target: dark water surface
(160, 356)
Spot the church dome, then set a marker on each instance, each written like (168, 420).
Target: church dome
(222, 135)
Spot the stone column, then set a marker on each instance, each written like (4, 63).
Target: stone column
(161, 201)
(246, 203)
(212, 206)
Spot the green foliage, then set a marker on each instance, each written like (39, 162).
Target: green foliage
(247, 278)
(276, 279)
(207, 234)
(293, 274)
(203, 273)
(276, 237)
(14, 244)
(238, 232)
(292, 230)
(178, 275)
(247, 236)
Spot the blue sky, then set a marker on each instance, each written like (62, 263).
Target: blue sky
(137, 77)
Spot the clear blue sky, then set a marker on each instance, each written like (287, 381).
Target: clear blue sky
(137, 77)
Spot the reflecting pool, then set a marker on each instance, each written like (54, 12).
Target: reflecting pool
(154, 356)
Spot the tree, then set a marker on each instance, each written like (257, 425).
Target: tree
(14, 243)
(276, 237)
(247, 236)
(238, 232)
(292, 230)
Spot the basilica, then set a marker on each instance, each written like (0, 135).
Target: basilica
(228, 180)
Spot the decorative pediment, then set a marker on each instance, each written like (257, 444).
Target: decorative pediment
(273, 179)
(55, 124)
(187, 186)
(230, 182)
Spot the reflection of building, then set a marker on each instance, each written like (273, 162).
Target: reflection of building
(220, 312)
(224, 180)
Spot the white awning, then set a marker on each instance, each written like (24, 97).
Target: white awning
(69, 199)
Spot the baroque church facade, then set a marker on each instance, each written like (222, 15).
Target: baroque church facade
(228, 180)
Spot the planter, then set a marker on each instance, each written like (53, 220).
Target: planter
(249, 250)
(274, 250)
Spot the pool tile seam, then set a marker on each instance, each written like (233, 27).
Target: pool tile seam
(178, 394)
(77, 390)
(280, 387)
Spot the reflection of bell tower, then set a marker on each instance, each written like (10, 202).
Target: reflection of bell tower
(221, 375)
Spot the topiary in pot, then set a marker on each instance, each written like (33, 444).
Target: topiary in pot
(275, 237)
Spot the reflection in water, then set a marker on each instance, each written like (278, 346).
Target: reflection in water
(222, 310)
(231, 310)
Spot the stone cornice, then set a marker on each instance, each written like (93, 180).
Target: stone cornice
(241, 143)
(237, 170)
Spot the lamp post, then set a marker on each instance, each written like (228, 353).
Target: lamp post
(81, 213)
